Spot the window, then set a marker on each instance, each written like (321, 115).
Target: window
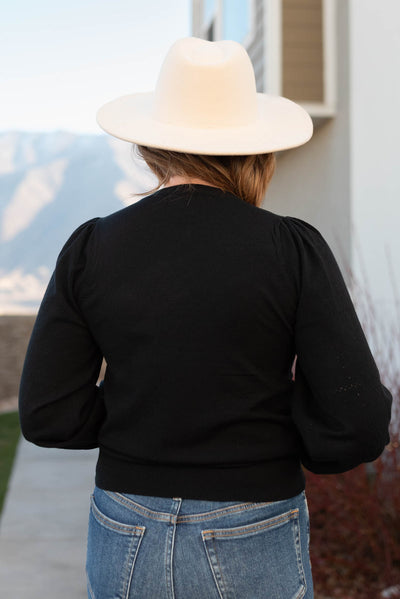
(224, 19)
(209, 9)
(236, 20)
(292, 44)
(209, 18)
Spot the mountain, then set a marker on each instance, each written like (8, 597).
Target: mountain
(50, 183)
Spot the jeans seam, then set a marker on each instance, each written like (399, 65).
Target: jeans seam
(222, 512)
(211, 568)
(298, 547)
(231, 532)
(133, 530)
(147, 512)
(170, 550)
(128, 589)
(89, 586)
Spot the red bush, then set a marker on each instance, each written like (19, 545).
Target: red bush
(355, 529)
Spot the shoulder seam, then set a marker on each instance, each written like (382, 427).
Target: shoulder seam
(282, 260)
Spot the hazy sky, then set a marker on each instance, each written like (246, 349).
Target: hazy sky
(62, 60)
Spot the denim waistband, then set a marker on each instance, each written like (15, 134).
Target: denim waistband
(186, 510)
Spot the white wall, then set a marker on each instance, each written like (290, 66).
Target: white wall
(375, 137)
(313, 182)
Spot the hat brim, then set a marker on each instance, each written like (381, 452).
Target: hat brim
(279, 125)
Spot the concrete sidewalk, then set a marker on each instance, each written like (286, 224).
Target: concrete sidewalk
(43, 527)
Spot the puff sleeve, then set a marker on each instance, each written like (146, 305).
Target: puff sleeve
(340, 407)
(60, 404)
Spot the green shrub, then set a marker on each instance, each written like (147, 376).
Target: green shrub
(9, 436)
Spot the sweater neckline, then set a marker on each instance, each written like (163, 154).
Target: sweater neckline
(183, 188)
(186, 185)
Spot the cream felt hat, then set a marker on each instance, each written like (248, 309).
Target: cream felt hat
(205, 102)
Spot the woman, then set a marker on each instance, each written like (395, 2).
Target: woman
(200, 301)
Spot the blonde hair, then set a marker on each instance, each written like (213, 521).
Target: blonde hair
(244, 176)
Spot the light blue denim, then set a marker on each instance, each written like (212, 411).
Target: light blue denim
(142, 547)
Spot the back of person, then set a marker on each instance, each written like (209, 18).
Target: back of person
(234, 357)
(184, 291)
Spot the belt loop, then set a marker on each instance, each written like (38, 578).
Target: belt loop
(176, 506)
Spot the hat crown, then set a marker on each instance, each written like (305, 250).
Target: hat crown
(206, 84)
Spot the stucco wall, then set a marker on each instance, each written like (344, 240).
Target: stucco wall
(313, 182)
(375, 134)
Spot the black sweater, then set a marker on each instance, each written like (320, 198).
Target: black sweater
(199, 303)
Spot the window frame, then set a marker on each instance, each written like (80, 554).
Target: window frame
(273, 56)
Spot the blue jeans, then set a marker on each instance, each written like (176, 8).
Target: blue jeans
(142, 547)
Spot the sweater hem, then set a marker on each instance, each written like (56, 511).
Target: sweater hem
(263, 481)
